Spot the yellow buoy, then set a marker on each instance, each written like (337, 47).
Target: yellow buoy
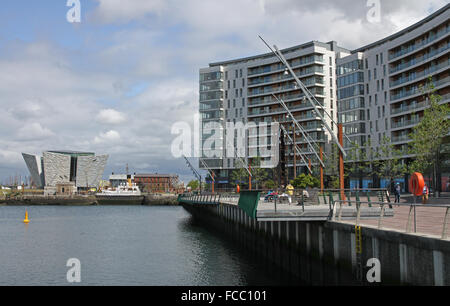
(26, 217)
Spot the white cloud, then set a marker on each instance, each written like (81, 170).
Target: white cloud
(34, 131)
(109, 137)
(110, 116)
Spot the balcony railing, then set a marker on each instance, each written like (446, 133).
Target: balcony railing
(413, 106)
(283, 77)
(276, 68)
(280, 109)
(415, 76)
(416, 90)
(403, 123)
(419, 60)
(416, 46)
(291, 86)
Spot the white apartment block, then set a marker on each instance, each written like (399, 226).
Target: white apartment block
(374, 91)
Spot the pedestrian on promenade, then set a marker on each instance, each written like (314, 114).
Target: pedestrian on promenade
(397, 191)
(290, 192)
(425, 194)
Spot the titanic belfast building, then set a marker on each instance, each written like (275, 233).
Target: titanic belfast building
(83, 170)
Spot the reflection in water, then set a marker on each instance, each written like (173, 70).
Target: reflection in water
(120, 245)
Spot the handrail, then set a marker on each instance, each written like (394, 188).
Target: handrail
(337, 213)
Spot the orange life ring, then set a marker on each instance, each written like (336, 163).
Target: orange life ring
(416, 184)
(238, 188)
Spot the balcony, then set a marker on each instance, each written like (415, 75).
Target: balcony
(401, 138)
(286, 97)
(416, 76)
(279, 68)
(403, 123)
(283, 77)
(415, 90)
(413, 47)
(290, 86)
(412, 106)
(419, 60)
(255, 112)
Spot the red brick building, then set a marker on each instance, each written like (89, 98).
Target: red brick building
(157, 183)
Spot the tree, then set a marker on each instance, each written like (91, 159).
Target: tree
(241, 176)
(193, 184)
(270, 184)
(388, 163)
(428, 135)
(302, 181)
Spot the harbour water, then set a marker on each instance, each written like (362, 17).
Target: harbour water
(120, 245)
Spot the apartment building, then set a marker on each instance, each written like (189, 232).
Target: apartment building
(374, 91)
(242, 91)
(380, 85)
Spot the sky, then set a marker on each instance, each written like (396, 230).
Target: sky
(117, 81)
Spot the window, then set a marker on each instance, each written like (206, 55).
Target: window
(236, 73)
(234, 83)
(243, 102)
(240, 73)
(240, 92)
(377, 60)
(381, 58)
(243, 82)
(367, 89)
(376, 99)
(226, 75)
(234, 103)
(228, 103)
(374, 73)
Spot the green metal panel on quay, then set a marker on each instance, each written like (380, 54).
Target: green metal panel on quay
(248, 202)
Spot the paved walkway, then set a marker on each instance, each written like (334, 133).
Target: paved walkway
(428, 221)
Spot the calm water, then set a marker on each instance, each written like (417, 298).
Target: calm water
(119, 245)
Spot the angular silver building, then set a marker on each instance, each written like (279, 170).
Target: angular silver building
(83, 169)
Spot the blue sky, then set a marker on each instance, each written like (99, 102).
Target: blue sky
(116, 82)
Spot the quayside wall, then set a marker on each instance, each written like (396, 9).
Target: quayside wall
(324, 252)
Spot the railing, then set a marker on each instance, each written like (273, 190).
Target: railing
(419, 60)
(417, 46)
(409, 213)
(302, 73)
(403, 123)
(203, 199)
(416, 90)
(415, 76)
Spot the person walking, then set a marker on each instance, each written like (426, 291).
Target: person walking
(397, 190)
(425, 194)
(290, 192)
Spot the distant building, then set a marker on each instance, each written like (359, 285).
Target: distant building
(157, 183)
(82, 170)
(119, 179)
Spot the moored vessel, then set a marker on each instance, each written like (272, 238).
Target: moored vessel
(124, 194)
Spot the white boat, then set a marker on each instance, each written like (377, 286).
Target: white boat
(124, 194)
